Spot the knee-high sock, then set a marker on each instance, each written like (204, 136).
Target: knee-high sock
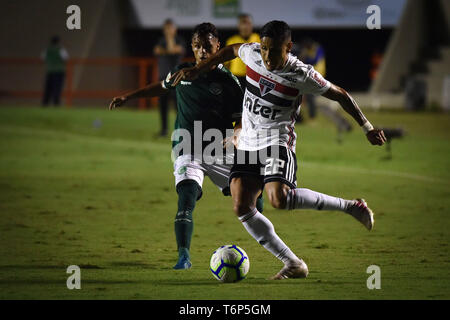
(302, 198)
(263, 231)
(188, 193)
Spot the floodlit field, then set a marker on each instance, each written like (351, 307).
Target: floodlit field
(94, 188)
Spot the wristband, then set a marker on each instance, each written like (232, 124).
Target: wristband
(367, 126)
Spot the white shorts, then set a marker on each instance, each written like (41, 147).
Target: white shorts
(186, 168)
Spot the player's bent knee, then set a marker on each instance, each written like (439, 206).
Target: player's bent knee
(240, 208)
(189, 192)
(188, 185)
(277, 200)
(277, 197)
(278, 203)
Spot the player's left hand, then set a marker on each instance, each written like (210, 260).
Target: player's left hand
(184, 74)
(234, 139)
(117, 102)
(376, 137)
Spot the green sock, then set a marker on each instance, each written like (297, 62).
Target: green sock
(183, 252)
(184, 226)
(260, 204)
(188, 192)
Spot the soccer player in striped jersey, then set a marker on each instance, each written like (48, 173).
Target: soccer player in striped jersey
(276, 80)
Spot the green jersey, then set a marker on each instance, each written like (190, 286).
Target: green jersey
(214, 98)
(55, 57)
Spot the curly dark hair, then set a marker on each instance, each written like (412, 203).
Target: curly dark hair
(276, 29)
(203, 29)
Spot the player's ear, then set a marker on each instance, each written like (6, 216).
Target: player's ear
(289, 46)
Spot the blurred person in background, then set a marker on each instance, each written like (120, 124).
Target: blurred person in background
(246, 35)
(375, 61)
(55, 57)
(169, 50)
(312, 53)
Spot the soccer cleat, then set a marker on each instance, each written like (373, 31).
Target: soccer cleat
(361, 212)
(183, 263)
(295, 271)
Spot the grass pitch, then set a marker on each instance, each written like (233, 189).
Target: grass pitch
(94, 188)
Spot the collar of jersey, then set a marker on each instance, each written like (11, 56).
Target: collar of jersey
(282, 68)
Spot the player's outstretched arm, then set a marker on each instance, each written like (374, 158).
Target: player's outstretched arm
(225, 54)
(335, 93)
(152, 90)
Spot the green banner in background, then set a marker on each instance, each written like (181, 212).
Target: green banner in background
(226, 8)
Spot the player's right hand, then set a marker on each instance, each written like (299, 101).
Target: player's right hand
(184, 74)
(376, 137)
(117, 102)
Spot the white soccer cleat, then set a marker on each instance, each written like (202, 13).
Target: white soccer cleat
(361, 212)
(294, 271)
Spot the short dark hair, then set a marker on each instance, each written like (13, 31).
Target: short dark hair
(276, 29)
(203, 29)
(168, 21)
(55, 40)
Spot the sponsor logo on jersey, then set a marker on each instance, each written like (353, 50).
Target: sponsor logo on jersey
(215, 88)
(182, 170)
(185, 83)
(252, 105)
(265, 86)
(291, 79)
(318, 78)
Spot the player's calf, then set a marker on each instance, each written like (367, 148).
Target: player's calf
(302, 198)
(188, 193)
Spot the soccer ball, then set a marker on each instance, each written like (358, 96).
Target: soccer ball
(229, 263)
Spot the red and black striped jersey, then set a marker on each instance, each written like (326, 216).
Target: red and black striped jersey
(272, 99)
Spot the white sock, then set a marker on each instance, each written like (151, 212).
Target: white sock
(263, 231)
(302, 198)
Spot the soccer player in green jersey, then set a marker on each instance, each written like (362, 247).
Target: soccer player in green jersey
(214, 101)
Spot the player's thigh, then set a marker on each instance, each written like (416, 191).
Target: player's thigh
(245, 189)
(277, 193)
(280, 164)
(279, 175)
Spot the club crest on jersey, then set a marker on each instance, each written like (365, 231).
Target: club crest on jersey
(265, 86)
(182, 170)
(215, 88)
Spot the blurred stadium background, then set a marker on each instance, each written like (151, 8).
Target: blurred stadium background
(113, 51)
